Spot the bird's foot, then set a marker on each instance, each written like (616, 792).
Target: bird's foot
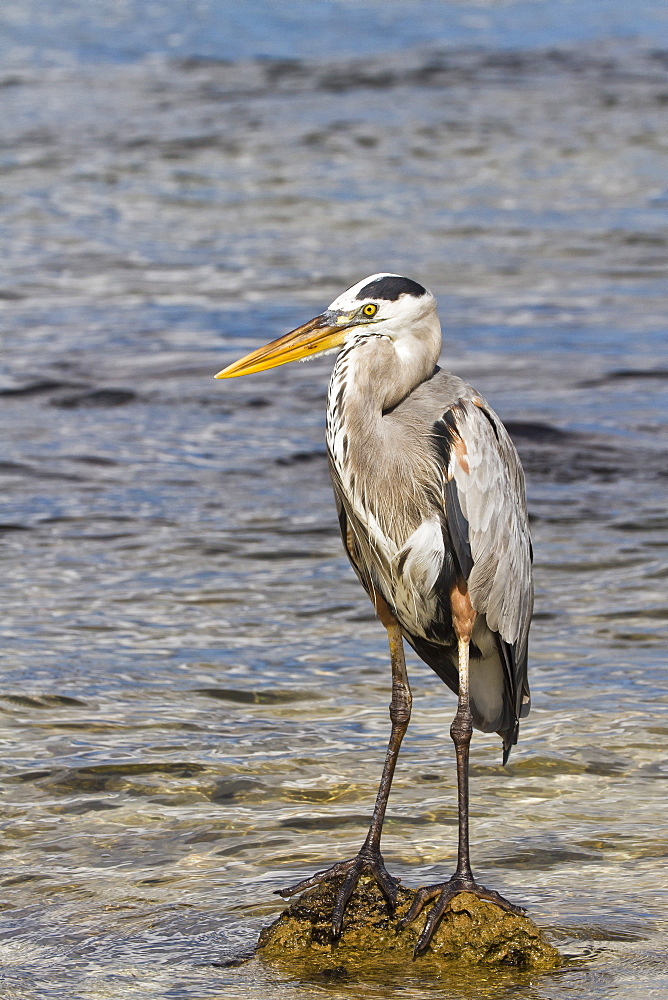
(446, 891)
(368, 861)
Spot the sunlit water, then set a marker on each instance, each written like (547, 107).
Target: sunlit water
(194, 688)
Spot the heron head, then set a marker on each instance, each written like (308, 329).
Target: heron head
(382, 305)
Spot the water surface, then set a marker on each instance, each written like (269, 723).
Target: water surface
(194, 690)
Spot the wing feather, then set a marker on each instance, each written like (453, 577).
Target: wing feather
(487, 517)
(451, 454)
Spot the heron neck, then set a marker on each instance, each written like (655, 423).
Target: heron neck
(374, 374)
(371, 378)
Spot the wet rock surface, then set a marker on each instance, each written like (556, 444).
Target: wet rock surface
(472, 932)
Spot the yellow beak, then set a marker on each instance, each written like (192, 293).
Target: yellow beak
(317, 335)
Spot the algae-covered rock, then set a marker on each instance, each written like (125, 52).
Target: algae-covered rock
(472, 932)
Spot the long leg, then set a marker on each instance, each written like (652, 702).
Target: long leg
(400, 714)
(460, 731)
(369, 858)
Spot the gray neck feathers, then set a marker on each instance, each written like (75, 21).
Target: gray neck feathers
(371, 377)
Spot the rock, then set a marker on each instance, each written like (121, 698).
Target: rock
(472, 932)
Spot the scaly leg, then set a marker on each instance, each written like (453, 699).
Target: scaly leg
(462, 880)
(369, 858)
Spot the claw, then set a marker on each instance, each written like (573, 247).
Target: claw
(344, 895)
(446, 891)
(422, 897)
(431, 923)
(367, 861)
(340, 868)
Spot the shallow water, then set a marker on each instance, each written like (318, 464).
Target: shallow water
(194, 690)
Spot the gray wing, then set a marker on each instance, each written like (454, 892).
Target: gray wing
(488, 525)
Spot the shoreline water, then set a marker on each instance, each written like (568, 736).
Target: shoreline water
(194, 690)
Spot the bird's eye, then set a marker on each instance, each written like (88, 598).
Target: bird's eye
(370, 309)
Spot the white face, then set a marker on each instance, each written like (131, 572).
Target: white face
(388, 304)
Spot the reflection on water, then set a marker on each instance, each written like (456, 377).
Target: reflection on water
(194, 693)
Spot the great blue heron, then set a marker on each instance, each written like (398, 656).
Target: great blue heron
(431, 504)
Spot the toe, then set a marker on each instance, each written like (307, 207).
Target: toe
(431, 923)
(389, 887)
(346, 891)
(338, 869)
(420, 900)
